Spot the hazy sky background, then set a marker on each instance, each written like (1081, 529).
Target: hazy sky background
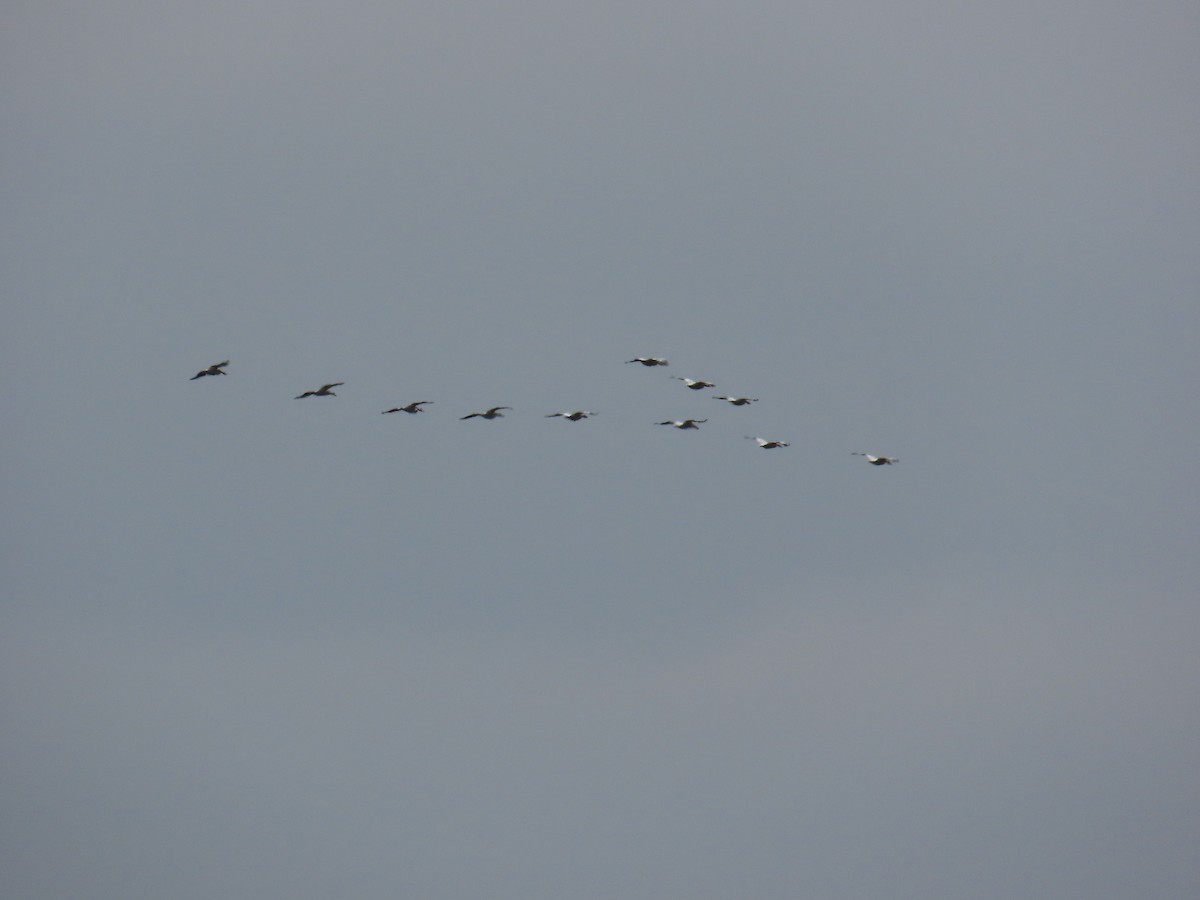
(258, 647)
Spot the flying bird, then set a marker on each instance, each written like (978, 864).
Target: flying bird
(214, 369)
(877, 460)
(694, 385)
(768, 445)
(323, 391)
(573, 416)
(648, 361)
(493, 413)
(414, 407)
(685, 424)
(739, 401)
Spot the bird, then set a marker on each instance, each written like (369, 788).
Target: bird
(573, 416)
(685, 424)
(649, 361)
(877, 460)
(214, 369)
(323, 391)
(739, 401)
(493, 413)
(694, 385)
(414, 407)
(768, 445)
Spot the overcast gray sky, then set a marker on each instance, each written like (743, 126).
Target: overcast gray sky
(260, 647)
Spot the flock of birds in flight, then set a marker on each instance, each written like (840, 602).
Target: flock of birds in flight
(495, 412)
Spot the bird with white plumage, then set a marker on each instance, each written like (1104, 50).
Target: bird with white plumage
(877, 460)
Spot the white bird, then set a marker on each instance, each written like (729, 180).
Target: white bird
(739, 401)
(573, 416)
(877, 460)
(214, 369)
(648, 361)
(323, 391)
(685, 424)
(694, 385)
(768, 445)
(414, 407)
(493, 413)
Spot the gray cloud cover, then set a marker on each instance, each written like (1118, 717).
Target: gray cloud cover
(265, 647)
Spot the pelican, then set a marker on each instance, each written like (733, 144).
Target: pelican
(493, 413)
(323, 391)
(738, 401)
(414, 407)
(768, 445)
(694, 385)
(649, 361)
(214, 369)
(877, 460)
(572, 416)
(685, 424)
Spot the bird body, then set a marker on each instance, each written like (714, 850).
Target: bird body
(493, 413)
(693, 384)
(572, 416)
(323, 391)
(684, 424)
(414, 407)
(738, 401)
(214, 369)
(877, 460)
(767, 445)
(648, 361)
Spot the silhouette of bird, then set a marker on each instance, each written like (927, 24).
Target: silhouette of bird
(573, 416)
(214, 369)
(493, 413)
(694, 385)
(414, 407)
(323, 391)
(685, 424)
(739, 401)
(877, 460)
(648, 361)
(768, 445)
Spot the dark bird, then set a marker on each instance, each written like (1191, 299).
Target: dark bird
(694, 385)
(323, 391)
(414, 407)
(573, 416)
(214, 369)
(648, 361)
(877, 460)
(493, 413)
(685, 424)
